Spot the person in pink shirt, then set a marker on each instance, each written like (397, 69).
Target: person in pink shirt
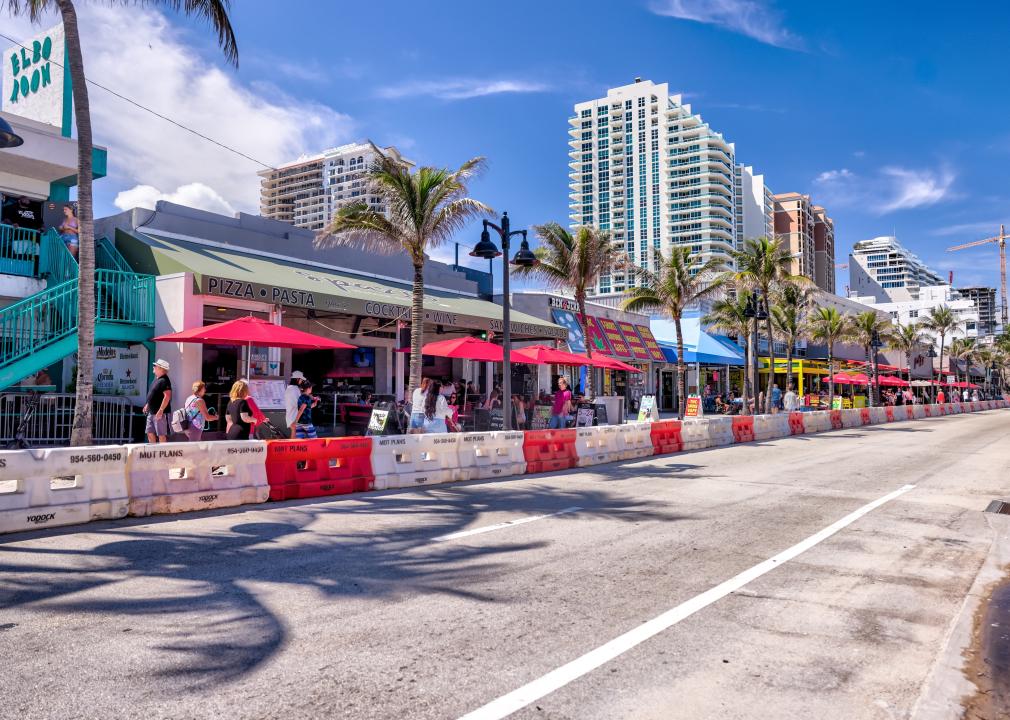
(561, 407)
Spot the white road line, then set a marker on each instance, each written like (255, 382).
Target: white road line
(556, 679)
(499, 526)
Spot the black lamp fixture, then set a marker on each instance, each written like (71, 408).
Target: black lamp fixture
(487, 250)
(9, 138)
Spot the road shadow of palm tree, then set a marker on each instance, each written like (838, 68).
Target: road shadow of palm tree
(201, 617)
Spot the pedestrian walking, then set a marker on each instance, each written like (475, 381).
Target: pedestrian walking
(941, 397)
(790, 402)
(304, 428)
(291, 394)
(417, 399)
(192, 417)
(561, 407)
(158, 407)
(240, 418)
(436, 410)
(776, 398)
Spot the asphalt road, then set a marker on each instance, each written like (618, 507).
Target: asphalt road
(360, 607)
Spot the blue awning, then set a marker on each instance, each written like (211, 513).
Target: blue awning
(699, 346)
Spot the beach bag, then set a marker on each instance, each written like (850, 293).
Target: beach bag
(180, 421)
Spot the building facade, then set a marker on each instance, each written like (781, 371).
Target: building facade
(648, 169)
(885, 270)
(984, 299)
(928, 297)
(809, 234)
(755, 206)
(308, 191)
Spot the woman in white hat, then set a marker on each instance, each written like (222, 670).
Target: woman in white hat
(291, 394)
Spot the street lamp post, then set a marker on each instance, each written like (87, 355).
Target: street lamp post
(875, 345)
(9, 138)
(932, 354)
(757, 309)
(524, 257)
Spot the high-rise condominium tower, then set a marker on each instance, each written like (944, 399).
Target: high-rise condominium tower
(647, 168)
(809, 234)
(308, 191)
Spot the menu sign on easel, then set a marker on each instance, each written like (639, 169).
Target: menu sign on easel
(693, 406)
(647, 409)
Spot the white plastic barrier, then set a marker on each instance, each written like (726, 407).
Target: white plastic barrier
(852, 417)
(180, 477)
(918, 412)
(61, 486)
(402, 461)
(720, 431)
(596, 445)
(491, 454)
(636, 440)
(878, 415)
(953, 408)
(817, 421)
(768, 427)
(694, 434)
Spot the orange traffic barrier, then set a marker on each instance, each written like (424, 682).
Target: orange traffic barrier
(929, 410)
(836, 419)
(743, 428)
(314, 468)
(666, 437)
(550, 450)
(889, 409)
(910, 412)
(864, 415)
(796, 426)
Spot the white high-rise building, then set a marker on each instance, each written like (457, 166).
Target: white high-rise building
(308, 191)
(906, 311)
(887, 271)
(647, 168)
(755, 206)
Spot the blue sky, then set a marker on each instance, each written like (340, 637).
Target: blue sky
(890, 118)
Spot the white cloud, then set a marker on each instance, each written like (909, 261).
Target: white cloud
(970, 230)
(140, 54)
(459, 88)
(753, 18)
(890, 189)
(194, 195)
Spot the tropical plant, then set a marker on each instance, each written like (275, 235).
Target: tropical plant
(827, 325)
(764, 264)
(424, 209)
(574, 263)
(863, 328)
(682, 280)
(961, 350)
(215, 12)
(789, 313)
(941, 321)
(905, 339)
(729, 315)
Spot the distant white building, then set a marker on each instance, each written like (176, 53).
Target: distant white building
(887, 271)
(755, 215)
(910, 311)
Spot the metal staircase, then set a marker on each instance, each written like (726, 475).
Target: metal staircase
(41, 329)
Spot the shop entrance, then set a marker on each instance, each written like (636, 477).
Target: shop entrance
(668, 390)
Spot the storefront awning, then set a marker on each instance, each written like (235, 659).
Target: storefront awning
(699, 346)
(230, 273)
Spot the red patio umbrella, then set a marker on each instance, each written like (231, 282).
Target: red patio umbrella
(892, 381)
(544, 355)
(249, 331)
(847, 379)
(467, 348)
(608, 363)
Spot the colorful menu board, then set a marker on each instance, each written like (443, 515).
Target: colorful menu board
(638, 348)
(650, 342)
(614, 336)
(597, 339)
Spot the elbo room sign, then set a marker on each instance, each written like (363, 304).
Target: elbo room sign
(33, 84)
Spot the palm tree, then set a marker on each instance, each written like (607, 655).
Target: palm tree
(789, 312)
(905, 339)
(682, 280)
(863, 329)
(941, 321)
(764, 265)
(962, 350)
(423, 210)
(574, 263)
(729, 315)
(827, 325)
(215, 12)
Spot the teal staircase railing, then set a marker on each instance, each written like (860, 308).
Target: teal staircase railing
(19, 250)
(42, 329)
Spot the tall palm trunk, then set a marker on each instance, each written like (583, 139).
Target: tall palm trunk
(941, 355)
(80, 433)
(789, 364)
(416, 329)
(831, 375)
(681, 371)
(771, 363)
(580, 298)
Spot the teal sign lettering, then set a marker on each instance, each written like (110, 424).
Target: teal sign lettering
(31, 69)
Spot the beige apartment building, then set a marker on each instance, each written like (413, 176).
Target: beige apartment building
(809, 234)
(308, 191)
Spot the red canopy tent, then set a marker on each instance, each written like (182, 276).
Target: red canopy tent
(467, 348)
(249, 331)
(544, 355)
(892, 381)
(847, 379)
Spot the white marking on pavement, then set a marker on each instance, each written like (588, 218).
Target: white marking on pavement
(556, 679)
(499, 526)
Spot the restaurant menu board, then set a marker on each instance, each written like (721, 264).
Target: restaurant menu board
(595, 335)
(567, 320)
(268, 394)
(638, 348)
(585, 416)
(615, 338)
(541, 417)
(649, 339)
(693, 406)
(647, 409)
(377, 422)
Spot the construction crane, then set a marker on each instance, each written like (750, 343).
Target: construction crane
(1001, 240)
